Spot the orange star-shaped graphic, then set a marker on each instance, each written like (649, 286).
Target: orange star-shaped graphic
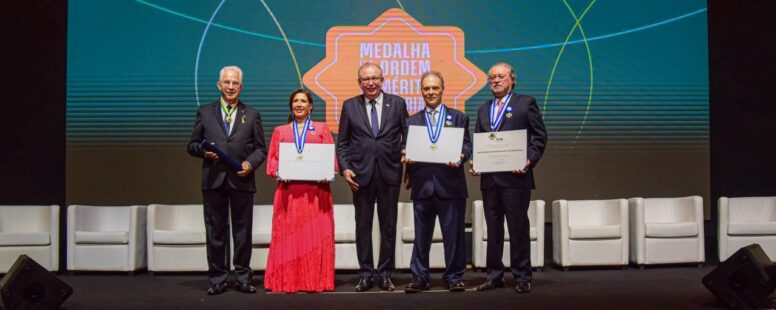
(405, 49)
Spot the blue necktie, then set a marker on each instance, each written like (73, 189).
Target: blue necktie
(375, 125)
(227, 124)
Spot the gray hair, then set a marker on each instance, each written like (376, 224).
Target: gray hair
(231, 68)
(512, 73)
(367, 64)
(434, 73)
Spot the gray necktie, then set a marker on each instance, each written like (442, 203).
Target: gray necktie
(433, 118)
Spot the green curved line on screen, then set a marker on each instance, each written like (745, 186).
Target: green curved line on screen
(401, 6)
(486, 51)
(250, 33)
(560, 54)
(590, 64)
(285, 38)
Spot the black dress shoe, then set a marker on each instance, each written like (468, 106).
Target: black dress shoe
(385, 284)
(364, 284)
(246, 288)
(523, 287)
(456, 286)
(490, 284)
(216, 289)
(417, 286)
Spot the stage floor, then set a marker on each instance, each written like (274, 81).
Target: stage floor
(608, 288)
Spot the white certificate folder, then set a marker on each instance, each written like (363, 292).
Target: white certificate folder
(447, 149)
(314, 164)
(500, 151)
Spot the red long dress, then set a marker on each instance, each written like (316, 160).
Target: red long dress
(301, 253)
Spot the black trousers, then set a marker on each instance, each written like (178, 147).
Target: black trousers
(218, 204)
(387, 197)
(451, 214)
(512, 203)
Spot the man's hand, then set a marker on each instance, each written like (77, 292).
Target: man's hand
(471, 169)
(404, 159)
(210, 155)
(246, 169)
(349, 175)
(525, 169)
(455, 164)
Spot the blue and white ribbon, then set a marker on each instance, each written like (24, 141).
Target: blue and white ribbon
(434, 132)
(496, 120)
(300, 137)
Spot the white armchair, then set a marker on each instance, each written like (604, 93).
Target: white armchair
(346, 256)
(666, 230)
(480, 235)
(31, 230)
(590, 232)
(106, 238)
(260, 237)
(176, 238)
(746, 220)
(405, 237)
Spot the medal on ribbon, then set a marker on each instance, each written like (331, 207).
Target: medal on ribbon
(434, 132)
(497, 119)
(300, 137)
(228, 112)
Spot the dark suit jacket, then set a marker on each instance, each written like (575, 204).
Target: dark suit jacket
(244, 143)
(429, 179)
(357, 147)
(525, 115)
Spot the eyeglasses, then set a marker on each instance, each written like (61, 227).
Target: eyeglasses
(373, 79)
(227, 83)
(499, 77)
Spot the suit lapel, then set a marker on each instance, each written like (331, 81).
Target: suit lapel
(362, 110)
(511, 103)
(219, 118)
(387, 105)
(238, 116)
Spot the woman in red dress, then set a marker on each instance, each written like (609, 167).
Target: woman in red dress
(301, 253)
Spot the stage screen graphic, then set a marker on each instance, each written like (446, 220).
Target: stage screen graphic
(622, 85)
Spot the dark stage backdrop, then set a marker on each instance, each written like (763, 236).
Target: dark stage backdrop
(623, 85)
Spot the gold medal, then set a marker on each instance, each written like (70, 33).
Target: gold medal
(299, 157)
(433, 146)
(229, 119)
(492, 135)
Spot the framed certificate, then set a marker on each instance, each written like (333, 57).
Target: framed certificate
(447, 149)
(314, 164)
(500, 151)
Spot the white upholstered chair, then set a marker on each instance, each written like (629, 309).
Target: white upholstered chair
(480, 235)
(666, 230)
(30, 230)
(346, 256)
(106, 238)
(747, 220)
(261, 236)
(176, 238)
(405, 237)
(590, 232)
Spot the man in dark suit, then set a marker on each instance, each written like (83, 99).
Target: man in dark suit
(509, 193)
(438, 190)
(234, 128)
(369, 154)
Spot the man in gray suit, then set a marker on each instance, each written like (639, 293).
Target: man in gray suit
(369, 145)
(235, 129)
